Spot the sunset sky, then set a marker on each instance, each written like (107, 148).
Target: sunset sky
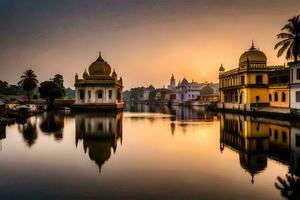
(144, 40)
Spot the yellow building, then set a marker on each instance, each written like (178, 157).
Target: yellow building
(246, 87)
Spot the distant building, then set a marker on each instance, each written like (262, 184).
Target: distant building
(144, 94)
(186, 91)
(99, 89)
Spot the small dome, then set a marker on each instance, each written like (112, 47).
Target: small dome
(184, 81)
(100, 67)
(85, 74)
(253, 55)
(221, 69)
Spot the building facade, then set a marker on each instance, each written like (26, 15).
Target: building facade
(294, 85)
(185, 91)
(279, 88)
(99, 89)
(246, 87)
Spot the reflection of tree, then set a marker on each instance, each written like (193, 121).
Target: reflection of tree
(289, 187)
(29, 132)
(53, 123)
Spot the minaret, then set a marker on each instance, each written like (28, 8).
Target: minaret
(172, 82)
(221, 69)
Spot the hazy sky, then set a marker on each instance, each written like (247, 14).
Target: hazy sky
(144, 40)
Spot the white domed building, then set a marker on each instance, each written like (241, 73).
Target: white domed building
(99, 88)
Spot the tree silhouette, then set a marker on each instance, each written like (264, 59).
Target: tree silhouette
(289, 187)
(290, 39)
(59, 79)
(28, 82)
(50, 91)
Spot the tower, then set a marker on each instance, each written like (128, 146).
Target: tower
(172, 82)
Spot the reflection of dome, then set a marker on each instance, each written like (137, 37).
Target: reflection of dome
(253, 55)
(253, 163)
(99, 150)
(100, 67)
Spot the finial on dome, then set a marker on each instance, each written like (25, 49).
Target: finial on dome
(252, 45)
(100, 56)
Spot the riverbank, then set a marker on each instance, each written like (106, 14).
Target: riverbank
(270, 112)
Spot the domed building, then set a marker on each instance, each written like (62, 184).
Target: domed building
(246, 87)
(99, 88)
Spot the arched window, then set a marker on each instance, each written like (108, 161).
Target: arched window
(89, 94)
(81, 94)
(276, 96)
(270, 97)
(283, 97)
(100, 94)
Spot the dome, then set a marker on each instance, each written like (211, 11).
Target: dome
(253, 55)
(100, 67)
(184, 81)
(85, 74)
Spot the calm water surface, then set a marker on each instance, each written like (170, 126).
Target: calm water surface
(151, 153)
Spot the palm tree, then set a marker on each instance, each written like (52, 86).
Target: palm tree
(289, 187)
(28, 82)
(290, 39)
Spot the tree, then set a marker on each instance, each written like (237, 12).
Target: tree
(59, 79)
(51, 91)
(28, 82)
(289, 187)
(290, 39)
(206, 90)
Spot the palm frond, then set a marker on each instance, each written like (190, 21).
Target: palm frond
(283, 48)
(281, 43)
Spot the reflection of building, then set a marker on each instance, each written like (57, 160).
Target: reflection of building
(99, 133)
(249, 139)
(295, 145)
(246, 85)
(256, 140)
(99, 89)
(2, 134)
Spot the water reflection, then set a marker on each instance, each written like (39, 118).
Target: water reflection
(2, 134)
(29, 131)
(52, 123)
(289, 186)
(179, 113)
(204, 152)
(257, 139)
(100, 133)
